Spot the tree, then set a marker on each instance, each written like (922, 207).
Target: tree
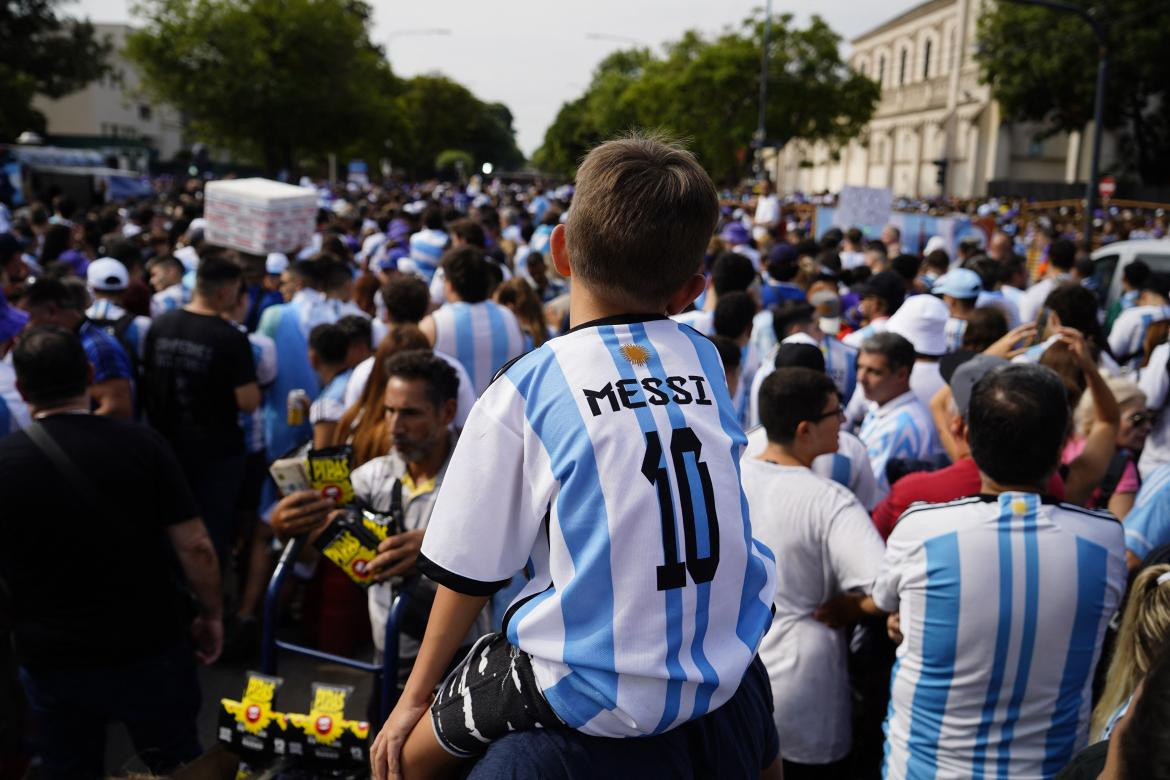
(41, 53)
(706, 91)
(272, 80)
(1042, 66)
(444, 114)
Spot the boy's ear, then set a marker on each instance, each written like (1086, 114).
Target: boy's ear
(687, 293)
(560, 252)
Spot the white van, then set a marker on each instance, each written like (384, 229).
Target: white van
(1111, 259)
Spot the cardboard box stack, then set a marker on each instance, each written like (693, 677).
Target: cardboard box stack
(259, 215)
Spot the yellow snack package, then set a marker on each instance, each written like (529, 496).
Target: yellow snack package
(253, 724)
(324, 735)
(349, 545)
(329, 470)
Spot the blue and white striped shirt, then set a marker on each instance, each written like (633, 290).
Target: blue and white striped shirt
(426, 247)
(1148, 524)
(169, 299)
(1128, 335)
(1003, 604)
(901, 429)
(482, 336)
(953, 333)
(613, 479)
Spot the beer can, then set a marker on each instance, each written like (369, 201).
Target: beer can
(298, 401)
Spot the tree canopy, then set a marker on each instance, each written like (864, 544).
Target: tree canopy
(41, 53)
(706, 91)
(1042, 66)
(285, 81)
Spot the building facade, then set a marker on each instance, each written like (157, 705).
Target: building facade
(112, 115)
(933, 107)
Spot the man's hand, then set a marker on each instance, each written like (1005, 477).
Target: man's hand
(840, 612)
(1009, 346)
(894, 628)
(300, 512)
(397, 555)
(386, 752)
(207, 632)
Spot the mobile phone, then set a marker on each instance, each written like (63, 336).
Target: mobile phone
(1041, 327)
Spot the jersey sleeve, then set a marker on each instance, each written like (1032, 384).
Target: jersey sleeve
(900, 548)
(1148, 526)
(483, 526)
(1155, 379)
(1121, 335)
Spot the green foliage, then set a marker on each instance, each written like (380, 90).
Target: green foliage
(455, 161)
(42, 53)
(443, 115)
(706, 92)
(288, 81)
(1042, 67)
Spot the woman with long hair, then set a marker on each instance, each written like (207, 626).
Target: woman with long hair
(518, 295)
(1145, 627)
(1121, 481)
(364, 425)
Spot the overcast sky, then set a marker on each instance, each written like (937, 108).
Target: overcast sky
(533, 55)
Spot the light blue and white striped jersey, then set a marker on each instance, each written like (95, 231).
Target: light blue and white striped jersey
(264, 357)
(482, 336)
(901, 429)
(840, 365)
(426, 247)
(1003, 604)
(858, 337)
(169, 299)
(1148, 524)
(953, 333)
(848, 466)
(606, 463)
(1128, 334)
(103, 310)
(329, 405)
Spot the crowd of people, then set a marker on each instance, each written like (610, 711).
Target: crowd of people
(674, 485)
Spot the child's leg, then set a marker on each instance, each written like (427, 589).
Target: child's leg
(422, 755)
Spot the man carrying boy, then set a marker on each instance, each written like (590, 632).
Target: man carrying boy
(613, 483)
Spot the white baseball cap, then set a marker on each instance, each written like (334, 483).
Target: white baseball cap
(922, 320)
(276, 263)
(107, 275)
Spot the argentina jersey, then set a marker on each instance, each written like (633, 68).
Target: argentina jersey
(426, 247)
(613, 482)
(1003, 604)
(481, 336)
(1128, 336)
(901, 429)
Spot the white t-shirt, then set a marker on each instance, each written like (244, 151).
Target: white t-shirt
(1032, 301)
(1155, 383)
(926, 380)
(1128, 335)
(1003, 604)
(482, 336)
(466, 399)
(825, 544)
(606, 463)
(848, 466)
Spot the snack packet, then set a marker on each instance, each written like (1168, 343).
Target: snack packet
(252, 724)
(349, 544)
(323, 735)
(329, 470)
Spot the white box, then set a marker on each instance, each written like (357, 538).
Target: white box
(259, 215)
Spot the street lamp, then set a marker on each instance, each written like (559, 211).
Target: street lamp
(1094, 21)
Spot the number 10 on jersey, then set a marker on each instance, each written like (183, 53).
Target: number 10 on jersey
(684, 446)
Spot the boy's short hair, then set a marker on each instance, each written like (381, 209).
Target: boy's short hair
(215, 272)
(732, 272)
(406, 298)
(330, 342)
(422, 364)
(467, 272)
(733, 314)
(1016, 423)
(790, 396)
(642, 215)
(357, 329)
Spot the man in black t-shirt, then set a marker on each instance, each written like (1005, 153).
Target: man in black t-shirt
(99, 533)
(199, 376)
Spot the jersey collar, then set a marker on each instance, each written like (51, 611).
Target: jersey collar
(618, 319)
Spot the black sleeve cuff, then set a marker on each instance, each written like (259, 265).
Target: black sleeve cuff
(456, 582)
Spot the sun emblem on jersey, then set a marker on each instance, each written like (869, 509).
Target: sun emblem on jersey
(638, 355)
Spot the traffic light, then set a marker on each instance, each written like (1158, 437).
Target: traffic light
(941, 176)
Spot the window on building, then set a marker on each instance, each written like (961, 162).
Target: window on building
(144, 111)
(881, 69)
(926, 51)
(902, 67)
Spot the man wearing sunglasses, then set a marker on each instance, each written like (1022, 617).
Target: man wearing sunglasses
(824, 537)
